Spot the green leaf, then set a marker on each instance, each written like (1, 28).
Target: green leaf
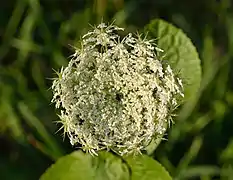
(146, 168)
(105, 166)
(80, 166)
(180, 53)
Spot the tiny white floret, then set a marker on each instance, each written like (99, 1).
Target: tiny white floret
(115, 93)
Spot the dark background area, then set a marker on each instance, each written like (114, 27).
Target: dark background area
(35, 38)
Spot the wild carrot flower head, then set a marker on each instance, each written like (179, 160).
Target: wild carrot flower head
(115, 93)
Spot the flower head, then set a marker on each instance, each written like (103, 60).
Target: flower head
(115, 93)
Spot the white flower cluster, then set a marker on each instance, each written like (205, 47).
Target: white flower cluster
(115, 93)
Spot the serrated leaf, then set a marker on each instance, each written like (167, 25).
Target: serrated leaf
(80, 166)
(180, 53)
(146, 168)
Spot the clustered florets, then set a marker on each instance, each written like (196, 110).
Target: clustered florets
(115, 93)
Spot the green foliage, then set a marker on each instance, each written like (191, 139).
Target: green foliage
(180, 53)
(35, 37)
(173, 41)
(84, 166)
(106, 166)
(146, 168)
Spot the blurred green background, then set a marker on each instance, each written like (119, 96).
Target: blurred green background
(35, 38)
